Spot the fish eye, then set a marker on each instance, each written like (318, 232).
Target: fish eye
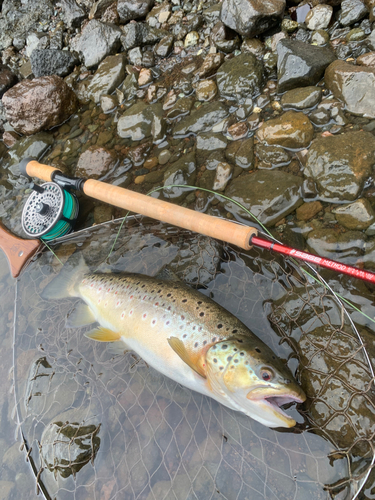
(266, 374)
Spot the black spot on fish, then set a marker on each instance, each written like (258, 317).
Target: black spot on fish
(221, 368)
(229, 358)
(240, 341)
(257, 349)
(201, 314)
(242, 354)
(196, 344)
(236, 360)
(224, 346)
(235, 350)
(220, 325)
(169, 294)
(232, 367)
(199, 302)
(184, 336)
(182, 317)
(204, 342)
(184, 300)
(213, 339)
(235, 331)
(215, 360)
(194, 327)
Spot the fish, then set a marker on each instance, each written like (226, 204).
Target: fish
(183, 334)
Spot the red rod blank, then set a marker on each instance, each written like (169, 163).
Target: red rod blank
(314, 259)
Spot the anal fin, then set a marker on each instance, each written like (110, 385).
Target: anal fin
(102, 334)
(178, 346)
(80, 316)
(118, 347)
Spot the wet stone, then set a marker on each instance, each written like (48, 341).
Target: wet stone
(182, 171)
(253, 46)
(340, 164)
(319, 17)
(96, 41)
(181, 108)
(136, 122)
(39, 104)
(269, 195)
(211, 142)
(206, 90)
(222, 176)
(202, 119)
(165, 46)
(129, 10)
(95, 162)
(366, 60)
(291, 130)
(108, 76)
(308, 210)
(300, 64)
(357, 215)
(52, 62)
(355, 35)
(211, 63)
(274, 155)
(320, 38)
(241, 153)
(240, 77)
(352, 11)
(260, 16)
(354, 85)
(108, 103)
(301, 98)
(238, 131)
(289, 26)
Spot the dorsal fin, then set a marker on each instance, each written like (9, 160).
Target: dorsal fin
(180, 349)
(101, 334)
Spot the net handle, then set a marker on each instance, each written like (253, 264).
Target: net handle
(198, 222)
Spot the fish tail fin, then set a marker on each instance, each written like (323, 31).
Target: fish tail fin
(64, 285)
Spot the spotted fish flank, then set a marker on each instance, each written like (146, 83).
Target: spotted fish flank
(187, 337)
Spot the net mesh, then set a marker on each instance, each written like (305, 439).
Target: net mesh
(103, 425)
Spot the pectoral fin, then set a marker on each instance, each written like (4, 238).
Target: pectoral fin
(180, 349)
(103, 335)
(80, 316)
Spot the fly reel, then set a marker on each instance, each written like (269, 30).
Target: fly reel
(49, 212)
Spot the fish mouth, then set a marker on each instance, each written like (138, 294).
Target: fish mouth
(272, 404)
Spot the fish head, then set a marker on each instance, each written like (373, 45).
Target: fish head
(249, 376)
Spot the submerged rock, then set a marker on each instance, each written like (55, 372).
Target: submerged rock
(96, 41)
(301, 98)
(291, 130)
(300, 64)
(341, 164)
(95, 162)
(354, 85)
(357, 215)
(251, 17)
(52, 62)
(202, 119)
(345, 247)
(269, 195)
(39, 104)
(240, 77)
(107, 78)
(352, 11)
(137, 121)
(182, 171)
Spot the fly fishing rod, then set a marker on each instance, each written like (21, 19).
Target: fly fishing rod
(51, 211)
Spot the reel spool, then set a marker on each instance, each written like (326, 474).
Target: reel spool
(49, 212)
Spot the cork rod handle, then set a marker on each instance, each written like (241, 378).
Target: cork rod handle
(207, 225)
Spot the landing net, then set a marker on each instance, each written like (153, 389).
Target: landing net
(101, 425)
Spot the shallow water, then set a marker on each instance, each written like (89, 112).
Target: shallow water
(150, 437)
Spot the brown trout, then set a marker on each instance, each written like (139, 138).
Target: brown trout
(184, 335)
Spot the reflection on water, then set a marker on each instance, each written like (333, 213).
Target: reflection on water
(105, 425)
